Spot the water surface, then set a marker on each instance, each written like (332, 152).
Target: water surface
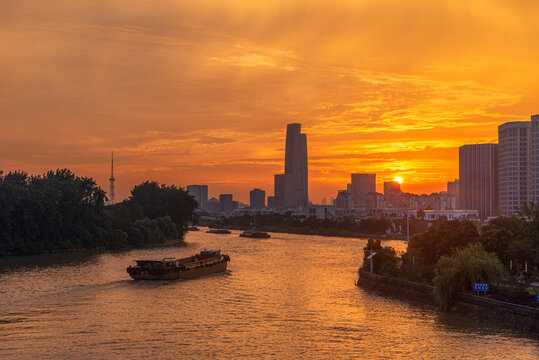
(291, 296)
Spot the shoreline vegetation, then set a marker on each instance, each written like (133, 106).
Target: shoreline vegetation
(60, 212)
(453, 255)
(342, 227)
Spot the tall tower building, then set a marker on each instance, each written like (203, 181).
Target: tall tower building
(361, 185)
(514, 173)
(292, 187)
(534, 158)
(200, 192)
(257, 199)
(112, 195)
(478, 178)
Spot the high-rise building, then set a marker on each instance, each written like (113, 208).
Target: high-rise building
(534, 158)
(453, 187)
(200, 192)
(257, 199)
(478, 178)
(213, 205)
(453, 190)
(226, 203)
(292, 187)
(514, 171)
(392, 193)
(361, 185)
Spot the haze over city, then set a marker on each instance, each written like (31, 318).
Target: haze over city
(201, 92)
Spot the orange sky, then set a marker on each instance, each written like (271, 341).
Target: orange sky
(201, 91)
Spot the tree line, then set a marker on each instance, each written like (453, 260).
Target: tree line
(452, 255)
(309, 225)
(59, 211)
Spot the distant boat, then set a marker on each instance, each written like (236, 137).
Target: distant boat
(255, 234)
(206, 263)
(192, 228)
(218, 231)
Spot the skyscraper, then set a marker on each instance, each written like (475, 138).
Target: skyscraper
(514, 173)
(534, 158)
(226, 203)
(291, 188)
(361, 185)
(478, 178)
(200, 192)
(257, 199)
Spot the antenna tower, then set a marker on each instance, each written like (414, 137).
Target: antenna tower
(112, 179)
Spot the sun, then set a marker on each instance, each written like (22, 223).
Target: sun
(398, 179)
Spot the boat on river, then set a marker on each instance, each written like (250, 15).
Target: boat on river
(205, 263)
(256, 234)
(192, 228)
(218, 231)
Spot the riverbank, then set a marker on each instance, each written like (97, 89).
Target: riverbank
(287, 298)
(174, 242)
(318, 232)
(510, 315)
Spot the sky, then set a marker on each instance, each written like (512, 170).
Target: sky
(200, 92)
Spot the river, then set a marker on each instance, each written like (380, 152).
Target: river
(288, 297)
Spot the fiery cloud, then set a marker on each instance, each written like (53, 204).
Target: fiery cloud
(200, 92)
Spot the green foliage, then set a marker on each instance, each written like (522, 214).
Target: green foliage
(458, 272)
(441, 239)
(160, 200)
(501, 236)
(59, 211)
(384, 261)
(514, 238)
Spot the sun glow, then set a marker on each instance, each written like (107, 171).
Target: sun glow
(398, 179)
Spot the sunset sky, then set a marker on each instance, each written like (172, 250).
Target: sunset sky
(189, 92)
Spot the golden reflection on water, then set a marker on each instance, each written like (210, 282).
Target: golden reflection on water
(290, 296)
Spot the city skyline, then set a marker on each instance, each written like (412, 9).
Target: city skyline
(184, 95)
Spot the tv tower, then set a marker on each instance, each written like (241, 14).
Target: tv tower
(111, 190)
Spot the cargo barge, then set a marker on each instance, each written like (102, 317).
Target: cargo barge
(206, 263)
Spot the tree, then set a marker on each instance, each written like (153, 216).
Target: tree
(384, 261)
(501, 235)
(160, 200)
(61, 211)
(457, 273)
(441, 240)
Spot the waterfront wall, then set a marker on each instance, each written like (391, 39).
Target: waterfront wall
(511, 315)
(399, 288)
(477, 307)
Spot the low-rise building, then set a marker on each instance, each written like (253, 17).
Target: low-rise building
(320, 211)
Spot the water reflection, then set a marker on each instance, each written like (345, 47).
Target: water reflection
(28, 263)
(290, 296)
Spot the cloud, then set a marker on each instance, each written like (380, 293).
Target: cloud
(202, 91)
(215, 140)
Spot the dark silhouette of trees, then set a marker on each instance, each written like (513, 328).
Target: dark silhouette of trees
(441, 239)
(58, 211)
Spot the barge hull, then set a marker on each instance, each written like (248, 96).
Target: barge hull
(175, 274)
